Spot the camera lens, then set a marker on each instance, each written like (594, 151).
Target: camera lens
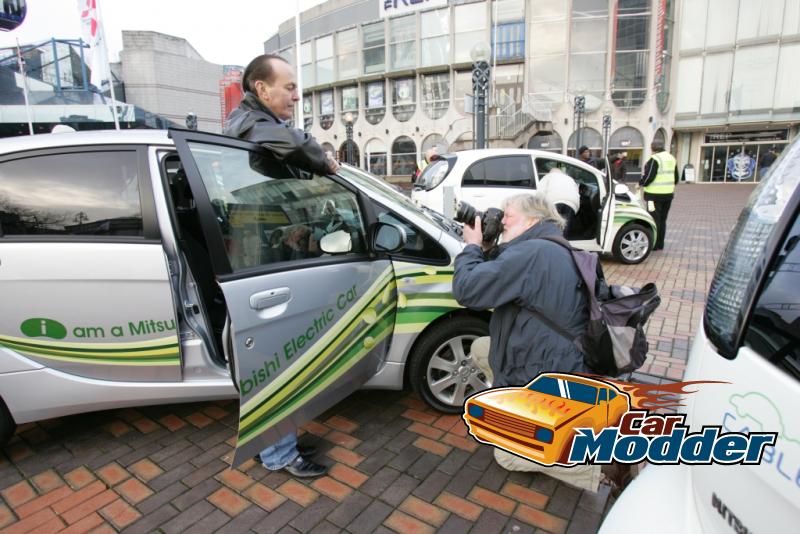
(466, 214)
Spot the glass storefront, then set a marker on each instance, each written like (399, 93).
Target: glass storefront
(739, 157)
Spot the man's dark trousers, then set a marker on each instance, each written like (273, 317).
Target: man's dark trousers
(660, 215)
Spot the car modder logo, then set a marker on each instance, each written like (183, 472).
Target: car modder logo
(566, 419)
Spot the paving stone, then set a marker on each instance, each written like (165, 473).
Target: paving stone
(564, 501)
(380, 481)
(198, 493)
(454, 461)
(455, 525)
(432, 486)
(348, 509)
(584, 521)
(370, 518)
(481, 458)
(165, 495)
(401, 442)
(152, 521)
(489, 522)
(313, 515)
(464, 481)
(169, 477)
(399, 490)
(244, 521)
(278, 518)
(187, 518)
(406, 458)
(375, 461)
(424, 465)
(493, 477)
(210, 523)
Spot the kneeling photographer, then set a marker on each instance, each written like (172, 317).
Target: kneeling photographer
(523, 279)
(518, 278)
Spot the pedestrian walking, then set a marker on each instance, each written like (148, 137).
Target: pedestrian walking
(658, 180)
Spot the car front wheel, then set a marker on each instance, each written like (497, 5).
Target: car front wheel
(633, 244)
(442, 370)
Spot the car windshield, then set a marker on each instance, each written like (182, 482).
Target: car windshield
(566, 389)
(376, 185)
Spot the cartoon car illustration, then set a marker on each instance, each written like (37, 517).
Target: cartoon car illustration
(538, 421)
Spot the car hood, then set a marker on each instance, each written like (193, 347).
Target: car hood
(541, 408)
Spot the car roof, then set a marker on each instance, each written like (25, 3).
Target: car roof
(465, 157)
(97, 137)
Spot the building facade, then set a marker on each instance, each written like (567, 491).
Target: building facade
(738, 72)
(405, 81)
(167, 76)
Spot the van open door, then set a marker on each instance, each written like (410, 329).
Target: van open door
(311, 310)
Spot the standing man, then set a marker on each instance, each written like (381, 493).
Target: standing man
(658, 179)
(271, 93)
(585, 155)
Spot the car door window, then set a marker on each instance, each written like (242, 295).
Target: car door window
(419, 245)
(772, 331)
(501, 171)
(586, 180)
(268, 216)
(82, 194)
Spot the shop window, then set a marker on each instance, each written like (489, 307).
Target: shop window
(375, 107)
(403, 98)
(326, 109)
(349, 103)
(435, 94)
(375, 157)
(404, 156)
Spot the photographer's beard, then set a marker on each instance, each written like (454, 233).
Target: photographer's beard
(514, 227)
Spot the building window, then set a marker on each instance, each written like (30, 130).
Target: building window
(549, 141)
(462, 87)
(508, 84)
(87, 194)
(754, 70)
(548, 36)
(435, 34)
(631, 52)
(404, 156)
(326, 109)
(403, 98)
(375, 157)
(588, 137)
(349, 102)
(690, 72)
(508, 34)
(740, 156)
(342, 154)
(374, 47)
(308, 111)
(376, 102)
(324, 46)
(587, 63)
(716, 78)
(470, 27)
(435, 94)
(402, 37)
(347, 49)
(631, 141)
(307, 63)
(786, 94)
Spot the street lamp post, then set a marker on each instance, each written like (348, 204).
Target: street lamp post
(348, 126)
(606, 131)
(481, 74)
(578, 111)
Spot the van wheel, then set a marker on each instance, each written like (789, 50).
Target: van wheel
(441, 368)
(7, 424)
(633, 244)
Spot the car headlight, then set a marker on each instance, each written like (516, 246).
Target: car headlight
(544, 435)
(475, 411)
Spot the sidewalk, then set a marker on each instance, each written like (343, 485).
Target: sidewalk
(396, 465)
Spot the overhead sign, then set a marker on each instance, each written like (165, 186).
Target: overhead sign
(392, 8)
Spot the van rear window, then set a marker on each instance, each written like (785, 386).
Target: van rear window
(747, 255)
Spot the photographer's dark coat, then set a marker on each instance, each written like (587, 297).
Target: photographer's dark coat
(533, 273)
(254, 122)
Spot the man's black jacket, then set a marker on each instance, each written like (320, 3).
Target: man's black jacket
(254, 122)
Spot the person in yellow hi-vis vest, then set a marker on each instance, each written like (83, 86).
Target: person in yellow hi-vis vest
(658, 180)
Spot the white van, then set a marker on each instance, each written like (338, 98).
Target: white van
(750, 338)
(141, 267)
(617, 224)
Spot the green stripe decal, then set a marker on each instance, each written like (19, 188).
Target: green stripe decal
(164, 351)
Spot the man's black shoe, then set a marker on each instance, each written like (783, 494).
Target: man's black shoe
(305, 468)
(307, 450)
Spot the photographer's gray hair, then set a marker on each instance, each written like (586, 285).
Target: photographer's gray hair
(535, 206)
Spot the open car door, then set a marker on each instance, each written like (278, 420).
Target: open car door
(606, 215)
(307, 328)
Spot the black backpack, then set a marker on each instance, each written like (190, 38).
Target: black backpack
(614, 342)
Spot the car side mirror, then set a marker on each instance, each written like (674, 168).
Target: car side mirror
(388, 237)
(338, 242)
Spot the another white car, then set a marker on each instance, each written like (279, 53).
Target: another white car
(750, 338)
(616, 224)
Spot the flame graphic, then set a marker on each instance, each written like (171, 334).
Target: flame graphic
(654, 396)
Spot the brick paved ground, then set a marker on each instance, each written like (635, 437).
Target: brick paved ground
(395, 464)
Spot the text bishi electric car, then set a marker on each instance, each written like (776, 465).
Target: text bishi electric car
(539, 420)
(139, 268)
(614, 223)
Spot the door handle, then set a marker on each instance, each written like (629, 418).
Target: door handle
(269, 298)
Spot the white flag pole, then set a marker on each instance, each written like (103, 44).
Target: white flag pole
(25, 87)
(298, 67)
(108, 70)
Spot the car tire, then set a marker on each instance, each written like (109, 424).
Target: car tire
(7, 424)
(437, 357)
(633, 244)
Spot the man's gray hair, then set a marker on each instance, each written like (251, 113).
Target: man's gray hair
(535, 206)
